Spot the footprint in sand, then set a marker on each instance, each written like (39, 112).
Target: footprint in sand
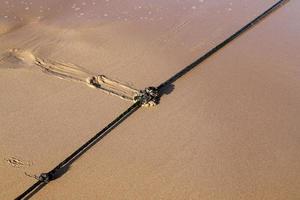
(18, 163)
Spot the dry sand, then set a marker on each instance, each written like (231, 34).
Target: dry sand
(228, 130)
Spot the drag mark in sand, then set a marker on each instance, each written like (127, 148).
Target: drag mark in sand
(17, 58)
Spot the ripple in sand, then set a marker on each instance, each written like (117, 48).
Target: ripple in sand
(8, 26)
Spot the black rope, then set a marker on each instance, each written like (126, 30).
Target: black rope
(221, 45)
(149, 94)
(56, 172)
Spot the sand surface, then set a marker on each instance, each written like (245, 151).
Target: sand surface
(227, 130)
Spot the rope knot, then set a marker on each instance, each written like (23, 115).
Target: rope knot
(148, 97)
(45, 177)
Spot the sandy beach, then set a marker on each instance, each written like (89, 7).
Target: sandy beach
(229, 129)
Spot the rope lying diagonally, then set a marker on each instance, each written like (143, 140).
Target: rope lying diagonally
(44, 178)
(150, 94)
(222, 44)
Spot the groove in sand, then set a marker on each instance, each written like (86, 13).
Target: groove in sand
(17, 58)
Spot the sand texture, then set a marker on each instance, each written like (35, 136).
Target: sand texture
(227, 130)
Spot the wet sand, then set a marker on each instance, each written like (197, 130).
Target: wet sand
(228, 130)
